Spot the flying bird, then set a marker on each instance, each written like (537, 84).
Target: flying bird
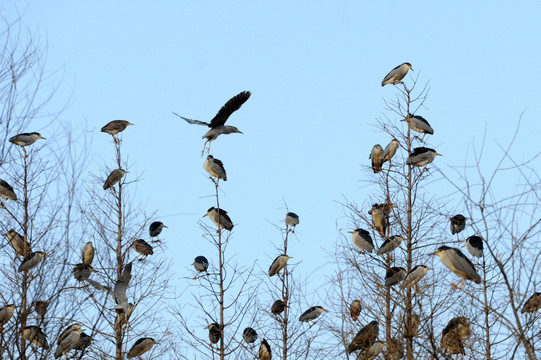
(26, 139)
(377, 156)
(6, 191)
(458, 263)
(215, 168)
(141, 346)
(278, 264)
(113, 178)
(422, 156)
(249, 335)
(222, 221)
(362, 239)
(123, 317)
(115, 126)
(311, 314)
(396, 75)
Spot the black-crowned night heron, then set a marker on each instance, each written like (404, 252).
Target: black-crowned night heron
(35, 335)
(419, 124)
(278, 264)
(113, 178)
(215, 168)
(458, 223)
(249, 335)
(26, 139)
(292, 219)
(31, 261)
(68, 341)
(41, 307)
(365, 338)
(422, 156)
(390, 150)
(82, 272)
(377, 158)
(415, 321)
(456, 331)
(362, 239)
(394, 275)
(217, 124)
(458, 263)
(6, 312)
(374, 350)
(265, 351)
(396, 75)
(378, 218)
(415, 275)
(88, 253)
(474, 244)
(201, 264)
(122, 318)
(215, 333)
(142, 247)
(155, 228)
(355, 309)
(222, 220)
(390, 244)
(312, 313)
(115, 126)
(278, 307)
(18, 243)
(6, 191)
(141, 346)
(533, 304)
(84, 341)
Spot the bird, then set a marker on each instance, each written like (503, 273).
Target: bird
(6, 312)
(156, 228)
(415, 275)
(18, 243)
(82, 272)
(311, 314)
(533, 304)
(278, 307)
(278, 264)
(474, 244)
(365, 338)
(41, 307)
(419, 124)
(394, 275)
(292, 219)
(249, 335)
(115, 126)
(215, 333)
(217, 124)
(200, 264)
(390, 244)
(396, 75)
(390, 150)
(415, 321)
(377, 158)
(355, 309)
(6, 191)
(26, 139)
(31, 261)
(142, 247)
(215, 168)
(122, 318)
(222, 221)
(141, 346)
(88, 253)
(84, 341)
(422, 156)
(374, 350)
(458, 223)
(456, 331)
(69, 341)
(113, 178)
(35, 335)
(362, 239)
(265, 350)
(67, 331)
(378, 218)
(458, 263)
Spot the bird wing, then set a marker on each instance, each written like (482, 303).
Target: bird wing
(229, 108)
(191, 121)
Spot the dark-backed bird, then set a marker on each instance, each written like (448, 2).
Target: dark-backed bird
(141, 346)
(458, 263)
(67, 342)
(456, 331)
(355, 309)
(41, 307)
(292, 219)
(215, 168)
(377, 158)
(31, 261)
(155, 228)
(278, 264)
(217, 124)
(201, 264)
(113, 178)
(390, 150)
(422, 156)
(249, 335)
(278, 307)
(88, 253)
(142, 247)
(84, 341)
(419, 124)
(415, 275)
(82, 272)
(265, 351)
(396, 75)
(378, 218)
(365, 338)
(6, 312)
(362, 239)
(394, 275)
(390, 244)
(374, 350)
(6, 191)
(18, 243)
(312, 313)
(458, 223)
(26, 139)
(533, 304)
(222, 221)
(35, 335)
(474, 244)
(215, 333)
(115, 126)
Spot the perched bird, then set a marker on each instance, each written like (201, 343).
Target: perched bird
(113, 178)
(365, 338)
(88, 253)
(355, 310)
(533, 304)
(249, 335)
(156, 228)
(278, 264)
(265, 351)
(458, 263)
(456, 331)
(396, 75)
(141, 346)
(6, 312)
(311, 314)
(378, 218)
(201, 264)
(34, 334)
(82, 272)
(422, 156)
(142, 247)
(67, 331)
(115, 126)
(390, 150)
(122, 318)
(415, 275)
(390, 244)
(18, 243)
(292, 219)
(215, 332)
(69, 342)
(222, 221)
(362, 239)
(377, 158)
(31, 261)
(458, 223)
(413, 328)
(374, 350)
(41, 307)
(217, 124)
(26, 139)
(6, 191)
(419, 124)
(278, 307)
(474, 244)
(215, 168)
(394, 275)
(84, 341)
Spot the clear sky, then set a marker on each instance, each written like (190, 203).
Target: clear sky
(314, 69)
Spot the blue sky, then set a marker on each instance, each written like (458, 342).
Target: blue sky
(314, 70)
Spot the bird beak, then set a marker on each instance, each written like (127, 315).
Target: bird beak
(164, 226)
(438, 154)
(41, 137)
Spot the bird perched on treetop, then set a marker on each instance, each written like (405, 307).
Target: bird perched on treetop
(458, 223)
(222, 221)
(113, 178)
(26, 139)
(419, 124)
(422, 156)
(390, 150)
(217, 124)
(215, 168)
(458, 263)
(278, 264)
(396, 75)
(115, 126)
(141, 346)
(6, 191)
(362, 239)
(377, 158)
(292, 219)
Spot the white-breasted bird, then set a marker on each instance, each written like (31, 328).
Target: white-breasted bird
(278, 264)
(415, 275)
(141, 346)
(215, 168)
(220, 218)
(113, 178)
(18, 243)
(390, 244)
(390, 150)
(458, 263)
(88, 253)
(26, 139)
(422, 156)
(377, 158)
(396, 75)
(6, 191)
(474, 244)
(31, 261)
(362, 239)
(312, 313)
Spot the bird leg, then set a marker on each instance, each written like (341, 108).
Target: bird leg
(456, 287)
